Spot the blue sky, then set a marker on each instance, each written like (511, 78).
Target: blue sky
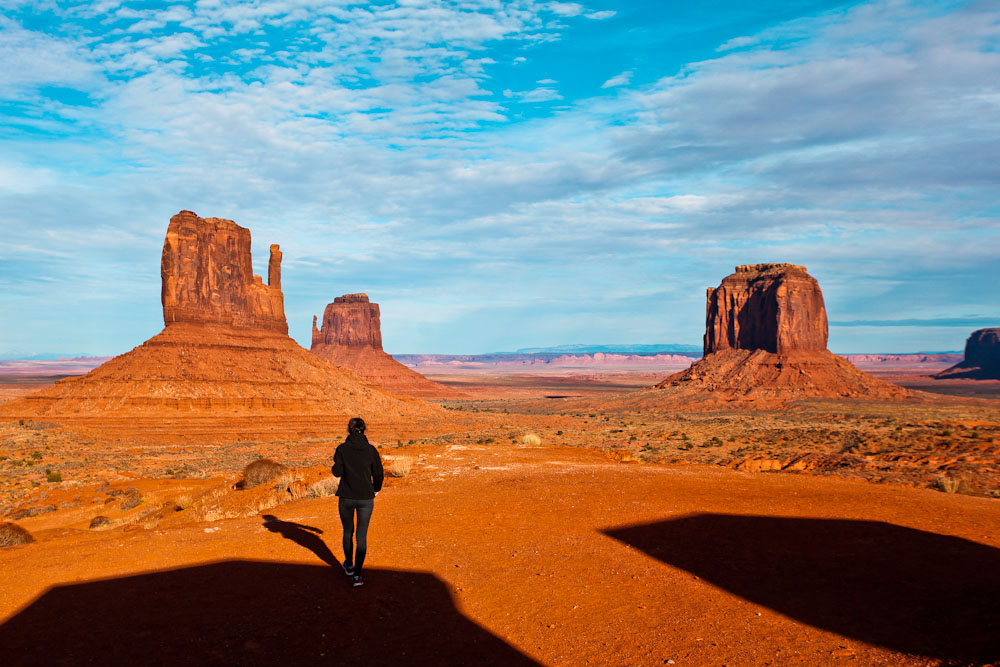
(499, 175)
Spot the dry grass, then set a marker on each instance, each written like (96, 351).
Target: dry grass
(12, 534)
(401, 466)
(531, 439)
(131, 500)
(324, 487)
(260, 471)
(184, 501)
(950, 483)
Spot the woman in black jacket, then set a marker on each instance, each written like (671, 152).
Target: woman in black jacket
(358, 465)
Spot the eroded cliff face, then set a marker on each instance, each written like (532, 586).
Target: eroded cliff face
(351, 337)
(208, 277)
(982, 357)
(352, 321)
(765, 341)
(772, 307)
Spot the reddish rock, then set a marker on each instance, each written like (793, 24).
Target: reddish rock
(351, 337)
(773, 307)
(765, 340)
(224, 348)
(982, 357)
(351, 321)
(208, 276)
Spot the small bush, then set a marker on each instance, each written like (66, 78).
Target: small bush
(260, 471)
(53, 476)
(531, 439)
(12, 534)
(324, 487)
(401, 466)
(131, 500)
(38, 455)
(184, 501)
(949, 483)
(99, 521)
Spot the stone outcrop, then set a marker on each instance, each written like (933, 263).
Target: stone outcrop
(208, 277)
(765, 340)
(982, 358)
(772, 307)
(350, 321)
(351, 337)
(224, 349)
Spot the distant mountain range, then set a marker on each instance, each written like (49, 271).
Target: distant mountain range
(640, 350)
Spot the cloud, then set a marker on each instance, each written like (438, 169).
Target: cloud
(618, 80)
(601, 16)
(737, 43)
(381, 147)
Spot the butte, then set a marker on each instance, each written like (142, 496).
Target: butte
(351, 337)
(982, 358)
(224, 352)
(765, 341)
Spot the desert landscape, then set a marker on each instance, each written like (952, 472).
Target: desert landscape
(662, 333)
(767, 503)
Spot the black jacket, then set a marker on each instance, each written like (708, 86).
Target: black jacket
(359, 467)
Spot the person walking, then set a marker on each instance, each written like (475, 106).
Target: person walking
(358, 465)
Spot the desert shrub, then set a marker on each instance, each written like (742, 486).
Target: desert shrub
(184, 501)
(261, 471)
(949, 483)
(12, 534)
(324, 487)
(100, 521)
(401, 466)
(131, 500)
(53, 476)
(531, 439)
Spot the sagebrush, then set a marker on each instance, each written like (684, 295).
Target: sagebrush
(12, 534)
(260, 471)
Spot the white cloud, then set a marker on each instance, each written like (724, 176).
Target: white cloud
(618, 80)
(737, 43)
(602, 15)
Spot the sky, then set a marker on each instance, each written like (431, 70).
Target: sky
(505, 174)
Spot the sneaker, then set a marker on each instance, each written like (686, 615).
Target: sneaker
(348, 570)
(357, 581)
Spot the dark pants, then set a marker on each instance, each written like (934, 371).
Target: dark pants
(348, 506)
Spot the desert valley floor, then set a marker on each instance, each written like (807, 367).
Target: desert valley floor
(535, 521)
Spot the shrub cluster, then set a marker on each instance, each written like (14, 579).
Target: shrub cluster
(261, 471)
(12, 534)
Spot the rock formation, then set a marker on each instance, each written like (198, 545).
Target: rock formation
(765, 339)
(772, 307)
(224, 348)
(207, 277)
(351, 337)
(982, 358)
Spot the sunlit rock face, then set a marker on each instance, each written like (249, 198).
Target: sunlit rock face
(207, 275)
(351, 337)
(772, 307)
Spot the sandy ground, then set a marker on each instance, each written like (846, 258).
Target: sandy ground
(519, 555)
(605, 545)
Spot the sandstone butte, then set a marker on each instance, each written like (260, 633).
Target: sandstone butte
(351, 337)
(982, 358)
(765, 339)
(224, 349)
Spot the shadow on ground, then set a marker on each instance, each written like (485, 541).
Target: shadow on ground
(253, 613)
(899, 588)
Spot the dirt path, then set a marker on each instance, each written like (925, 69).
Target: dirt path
(519, 556)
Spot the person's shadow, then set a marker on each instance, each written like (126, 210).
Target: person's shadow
(303, 535)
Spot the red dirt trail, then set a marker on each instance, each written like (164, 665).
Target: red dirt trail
(515, 555)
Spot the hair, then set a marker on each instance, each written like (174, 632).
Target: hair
(356, 425)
